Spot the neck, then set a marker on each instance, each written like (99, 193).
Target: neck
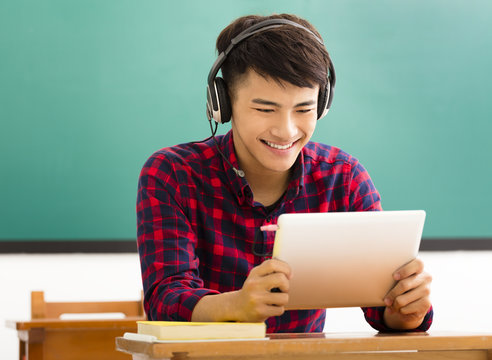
(268, 188)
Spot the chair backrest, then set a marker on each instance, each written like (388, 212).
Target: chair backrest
(40, 309)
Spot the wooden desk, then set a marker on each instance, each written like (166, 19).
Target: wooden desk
(50, 339)
(350, 346)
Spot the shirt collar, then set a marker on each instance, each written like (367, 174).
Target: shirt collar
(297, 178)
(240, 186)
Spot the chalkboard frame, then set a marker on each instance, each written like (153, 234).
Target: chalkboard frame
(130, 246)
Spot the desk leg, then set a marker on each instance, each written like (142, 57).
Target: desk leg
(22, 350)
(31, 344)
(34, 351)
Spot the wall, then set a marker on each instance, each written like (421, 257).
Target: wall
(90, 89)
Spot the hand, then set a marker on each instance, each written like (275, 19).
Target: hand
(256, 302)
(408, 302)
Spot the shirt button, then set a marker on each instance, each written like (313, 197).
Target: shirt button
(239, 193)
(269, 218)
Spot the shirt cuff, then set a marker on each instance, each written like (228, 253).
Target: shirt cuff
(375, 317)
(178, 305)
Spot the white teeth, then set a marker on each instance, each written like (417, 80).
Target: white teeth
(276, 146)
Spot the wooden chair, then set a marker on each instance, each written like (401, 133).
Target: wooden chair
(47, 336)
(40, 309)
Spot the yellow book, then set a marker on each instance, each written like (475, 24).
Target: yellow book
(182, 330)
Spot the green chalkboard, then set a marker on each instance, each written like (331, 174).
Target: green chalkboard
(89, 89)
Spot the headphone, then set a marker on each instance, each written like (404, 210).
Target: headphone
(218, 103)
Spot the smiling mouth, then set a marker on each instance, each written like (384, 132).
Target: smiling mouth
(277, 146)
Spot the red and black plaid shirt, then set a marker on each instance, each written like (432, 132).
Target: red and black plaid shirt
(197, 221)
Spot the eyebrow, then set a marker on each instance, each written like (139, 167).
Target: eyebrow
(272, 103)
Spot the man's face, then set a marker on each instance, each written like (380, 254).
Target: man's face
(271, 122)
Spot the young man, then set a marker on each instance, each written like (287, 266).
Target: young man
(201, 205)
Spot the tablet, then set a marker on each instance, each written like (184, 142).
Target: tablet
(345, 259)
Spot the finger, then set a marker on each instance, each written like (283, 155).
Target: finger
(406, 285)
(277, 281)
(418, 308)
(263, 312)
(409, 283)
(272, 310)
(400, 288)
(416, 266)
(276, 299)
(410, 297)
(273, 266)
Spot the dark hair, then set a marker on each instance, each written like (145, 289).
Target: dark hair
(284, 53)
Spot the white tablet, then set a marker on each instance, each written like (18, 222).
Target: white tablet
(348, 258)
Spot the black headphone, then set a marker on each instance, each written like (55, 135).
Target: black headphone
(218, 103)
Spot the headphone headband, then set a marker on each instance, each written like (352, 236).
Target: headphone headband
(217, 94)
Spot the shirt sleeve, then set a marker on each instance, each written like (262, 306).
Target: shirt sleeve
(363, 194)
(365, 197)
(166, 245)
(374, 317)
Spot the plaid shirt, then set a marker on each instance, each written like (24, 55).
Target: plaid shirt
(197, 221)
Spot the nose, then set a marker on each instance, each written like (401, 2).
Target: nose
(285, 127)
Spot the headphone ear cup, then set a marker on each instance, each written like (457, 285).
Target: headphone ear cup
(323, 97)
(225, 108)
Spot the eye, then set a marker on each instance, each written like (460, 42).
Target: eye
(264, 110)
(304, 111)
